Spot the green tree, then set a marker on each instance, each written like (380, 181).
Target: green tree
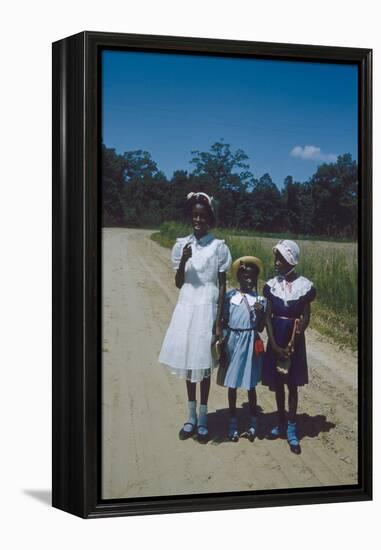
(306, 226)
(138, 164)
(335, 194)
(145, 189)
(112, 187)
(136, 193)
(222, 168)
(266, 205)
(179, 186)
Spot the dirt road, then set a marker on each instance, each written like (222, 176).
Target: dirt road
(144, 405)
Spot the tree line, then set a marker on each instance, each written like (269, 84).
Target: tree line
(136, 193)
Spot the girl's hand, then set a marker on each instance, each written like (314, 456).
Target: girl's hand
(218, 330)
(259, 308)
(187, 253)
(282, 353)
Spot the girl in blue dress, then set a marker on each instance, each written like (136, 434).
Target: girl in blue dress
(243, 318)
(289, 296)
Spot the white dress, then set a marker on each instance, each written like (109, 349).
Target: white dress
(186, 349)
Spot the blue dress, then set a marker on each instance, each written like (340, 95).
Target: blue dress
(288, 300)
(244, 367)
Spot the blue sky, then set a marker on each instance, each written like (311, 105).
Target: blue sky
(287, 116)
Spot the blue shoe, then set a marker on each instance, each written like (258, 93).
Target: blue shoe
(292, 438)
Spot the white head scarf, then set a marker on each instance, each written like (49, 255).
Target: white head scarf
(210, 200)
(289, 250)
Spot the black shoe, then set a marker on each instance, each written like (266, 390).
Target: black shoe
(201, 437)
(296, 449)
(250, 434)
(186, 434)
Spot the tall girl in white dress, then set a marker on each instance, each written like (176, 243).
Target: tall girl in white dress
(200, 262)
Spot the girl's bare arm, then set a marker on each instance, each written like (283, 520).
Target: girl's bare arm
(180, 273)
(306, 315)
(260, 317)
(221, 299)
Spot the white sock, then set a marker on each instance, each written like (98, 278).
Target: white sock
(203, 419)
(192, 417)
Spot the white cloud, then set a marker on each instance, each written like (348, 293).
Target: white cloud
(311, 152)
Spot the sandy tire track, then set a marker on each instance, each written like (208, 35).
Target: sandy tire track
(143, 405)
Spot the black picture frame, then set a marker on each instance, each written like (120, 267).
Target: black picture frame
(76, 275)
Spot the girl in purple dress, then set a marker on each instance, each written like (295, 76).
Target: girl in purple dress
(289, 296)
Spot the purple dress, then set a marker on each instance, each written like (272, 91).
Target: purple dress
(288, 300)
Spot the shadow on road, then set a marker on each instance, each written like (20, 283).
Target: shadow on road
(307, 426)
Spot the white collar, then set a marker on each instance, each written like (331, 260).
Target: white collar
(289, 292)
(237, 298)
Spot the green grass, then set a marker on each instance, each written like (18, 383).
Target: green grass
(294, 236)
(334, 313)
(170, 227)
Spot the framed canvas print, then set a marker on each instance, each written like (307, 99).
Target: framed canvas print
(211, 274)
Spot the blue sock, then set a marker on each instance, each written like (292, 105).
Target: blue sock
(192, 417)
(203, 420)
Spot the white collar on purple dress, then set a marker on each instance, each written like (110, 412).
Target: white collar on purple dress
(289, 291)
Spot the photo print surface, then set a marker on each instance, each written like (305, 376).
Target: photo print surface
(229, 274)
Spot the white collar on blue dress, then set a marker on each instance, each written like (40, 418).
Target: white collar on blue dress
(237, 298)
